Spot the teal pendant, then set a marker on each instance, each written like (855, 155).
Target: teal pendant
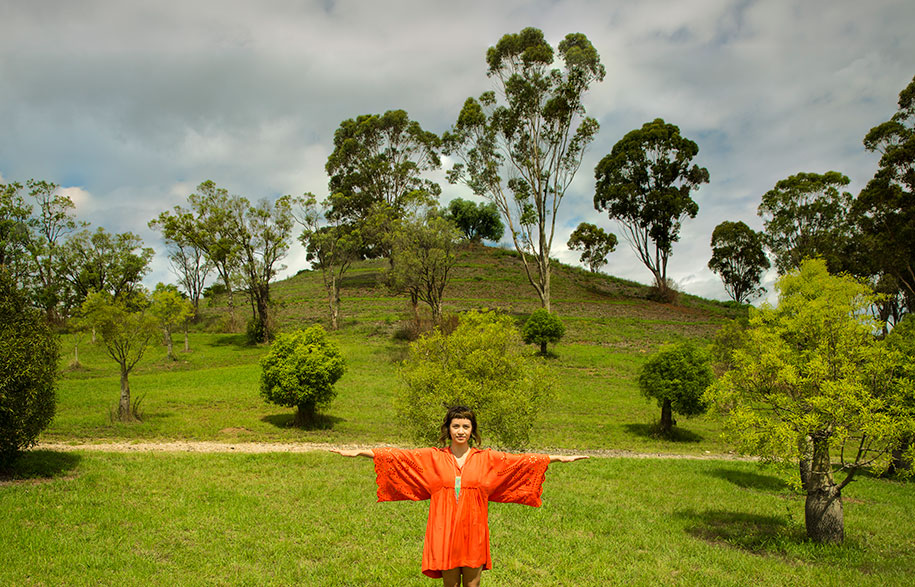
(457, 487)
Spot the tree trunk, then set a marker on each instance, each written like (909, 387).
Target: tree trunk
(805, 448)
(76, 355)
(187, 341)
(667, 418)
(170, 346)
(899, 462)
(124, 414)
(823, 515)
(543, 347)
(304, 415)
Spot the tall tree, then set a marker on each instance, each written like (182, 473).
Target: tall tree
(811, 373)
(739, 259)
(53, 223)
(187, 259)
(331, 244)
(806, 215)
(477, 221)
(104, 262)
(884, 211)
(172, 310)
(422, 254)
(14, 231)
(594, 243)
(645, 184)
(126, 327)
(376, 172)
(522, 154)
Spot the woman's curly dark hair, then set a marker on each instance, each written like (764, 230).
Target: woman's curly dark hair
(459, 412)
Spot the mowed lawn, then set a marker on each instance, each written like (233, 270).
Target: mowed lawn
(311, 519)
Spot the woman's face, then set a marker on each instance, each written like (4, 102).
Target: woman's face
(460, 429)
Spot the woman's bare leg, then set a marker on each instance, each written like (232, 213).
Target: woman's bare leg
(470, 577)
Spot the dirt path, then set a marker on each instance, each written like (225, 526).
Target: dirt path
(297, 447)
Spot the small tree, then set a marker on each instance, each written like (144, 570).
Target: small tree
(812, 374)
(28, 371)
(300, 371)
(594, 243)
(481, 365)
(172, 310)
(676, 377)
(739, 259)
(541, 328)
(476, 221)
(126, 327)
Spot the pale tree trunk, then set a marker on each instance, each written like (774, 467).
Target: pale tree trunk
(823, 515)
(124, 405)
(187, 341)
(170, 345)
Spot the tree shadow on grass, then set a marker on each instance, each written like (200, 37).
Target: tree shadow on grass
(652, 431)
(753, 533)
(39, 465)
(287, 420)
(750, 480)
(237, 340)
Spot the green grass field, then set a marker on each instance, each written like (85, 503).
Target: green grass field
(102, 517)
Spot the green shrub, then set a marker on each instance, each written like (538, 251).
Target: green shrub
(29, 352)
(541, 328)
(482, 365)
(300, 370)
(676, 377)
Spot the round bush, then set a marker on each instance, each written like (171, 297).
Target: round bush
(542, 328)
(29, 353)
(300, 371)
(676, 377)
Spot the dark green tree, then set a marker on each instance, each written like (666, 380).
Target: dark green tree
(29, 353)
(300, 371)
(594, 243)
(477, 221)
(376, 173)
(520, 149)
(805, 216)
(104, 262)
(739, 259)
(542, 327)
(884, 211)
(645, 184)
(14, 231)
(422, 256)
(676, 377)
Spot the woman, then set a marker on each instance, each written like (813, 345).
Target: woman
(460, 480)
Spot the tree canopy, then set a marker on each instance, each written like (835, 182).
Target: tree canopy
(645, 184)
(594, 243)
(739, 259)
(477, 221)
(521, 145)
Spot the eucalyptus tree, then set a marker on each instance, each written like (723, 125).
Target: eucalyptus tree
(521, 145)
(101, 261)
(331, 244)
(806, 215)
(645, 184)
(739, 258)
(884, 211)
(477, 221)
(15, 214)
(594, 243)
(187, 258)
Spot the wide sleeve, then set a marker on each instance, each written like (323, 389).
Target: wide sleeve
(517, 478)
(403, 474)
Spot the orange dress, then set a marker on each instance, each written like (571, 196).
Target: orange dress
(457, 533)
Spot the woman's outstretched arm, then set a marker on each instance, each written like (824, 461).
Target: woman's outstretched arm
(354, 453)
(566, 458)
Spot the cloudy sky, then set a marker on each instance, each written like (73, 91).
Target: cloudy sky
(130, 104)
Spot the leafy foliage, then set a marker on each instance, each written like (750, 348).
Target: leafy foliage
(476, 221)
(29, 352)
(172, 310)
(812, 374)
(594, 243)
(676, 377)
(884, 211)
(422, 255)
(104, 262)
(645, 184)
(522, 154)
(805, 216)
(739, 259)
(481, 365)
(541, 328)
(300, 371)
